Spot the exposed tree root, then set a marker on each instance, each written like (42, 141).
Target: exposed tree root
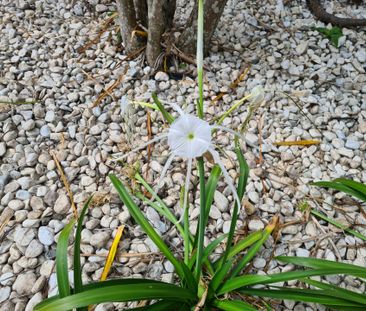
(320, 13)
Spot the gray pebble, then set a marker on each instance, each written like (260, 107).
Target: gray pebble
(86, 181)
(31, 159)
(35, 299)
(221, 201)
(352, 144)
(23, 195)
(45, 131)
(2, 149)
(99, 239)
(253, 196)
(255, 225)
(62, 204)
(16, 204)
(34, 249)
(361, 55)
(24, 283)
(28, 125)
(4, 293)
(251, 139)
(50, 116)
(46, 235)
(301, 252)
(23, 236)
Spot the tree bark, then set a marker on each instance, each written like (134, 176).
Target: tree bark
(128, 23)
(156, 29)
(141, 12)
(161, 15)
(169, 11)
(320, 13)
(213, 10)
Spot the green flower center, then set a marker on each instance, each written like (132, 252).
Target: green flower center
(190, 136)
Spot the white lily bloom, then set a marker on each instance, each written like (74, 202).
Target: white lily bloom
(190, 137)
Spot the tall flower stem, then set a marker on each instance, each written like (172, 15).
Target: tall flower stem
(187, 241)
(200, 57)
(201, 225)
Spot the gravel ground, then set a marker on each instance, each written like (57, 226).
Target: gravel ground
(39, 59)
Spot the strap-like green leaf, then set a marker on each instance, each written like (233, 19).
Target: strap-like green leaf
(243, 178)
(62, 272)
(119, 293)
(355, 185)
(181, 269)
(208, 250)
(306, 295)
(243, 171)
(167, 116)
(339, 292)
(233, 305)
(201, 220)
(241, 245)
(107, 283)
(159, 205)
(252, 252)
(211, 186)
(220, 275)
(325, 264)
(341, 187)
(247, 280)
(78, 283)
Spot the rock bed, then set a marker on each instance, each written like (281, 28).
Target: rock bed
(39, 59)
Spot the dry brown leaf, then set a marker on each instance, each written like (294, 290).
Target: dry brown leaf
(66, 183)
(297, 143)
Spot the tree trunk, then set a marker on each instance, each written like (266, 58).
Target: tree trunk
(320, 13)
(156, 29)
(169, 11)
(157, 17)
(128, 23)
(161, 15)
(213, 10)
(141, 12)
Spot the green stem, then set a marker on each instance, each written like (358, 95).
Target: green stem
(200, 57)
(200, 102)
(187, 240)
(201, 225)
(232, 108)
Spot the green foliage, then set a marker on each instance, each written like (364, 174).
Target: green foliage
(209, 284)
(167, 116)
(353, 188)
(203, 284)
(333, 34)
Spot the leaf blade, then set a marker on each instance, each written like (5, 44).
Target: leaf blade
(62, 273)
(233, 305)
(181, 269)
(119, 293)
(78, 283)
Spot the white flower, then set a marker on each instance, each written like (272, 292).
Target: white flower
(190, 137)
